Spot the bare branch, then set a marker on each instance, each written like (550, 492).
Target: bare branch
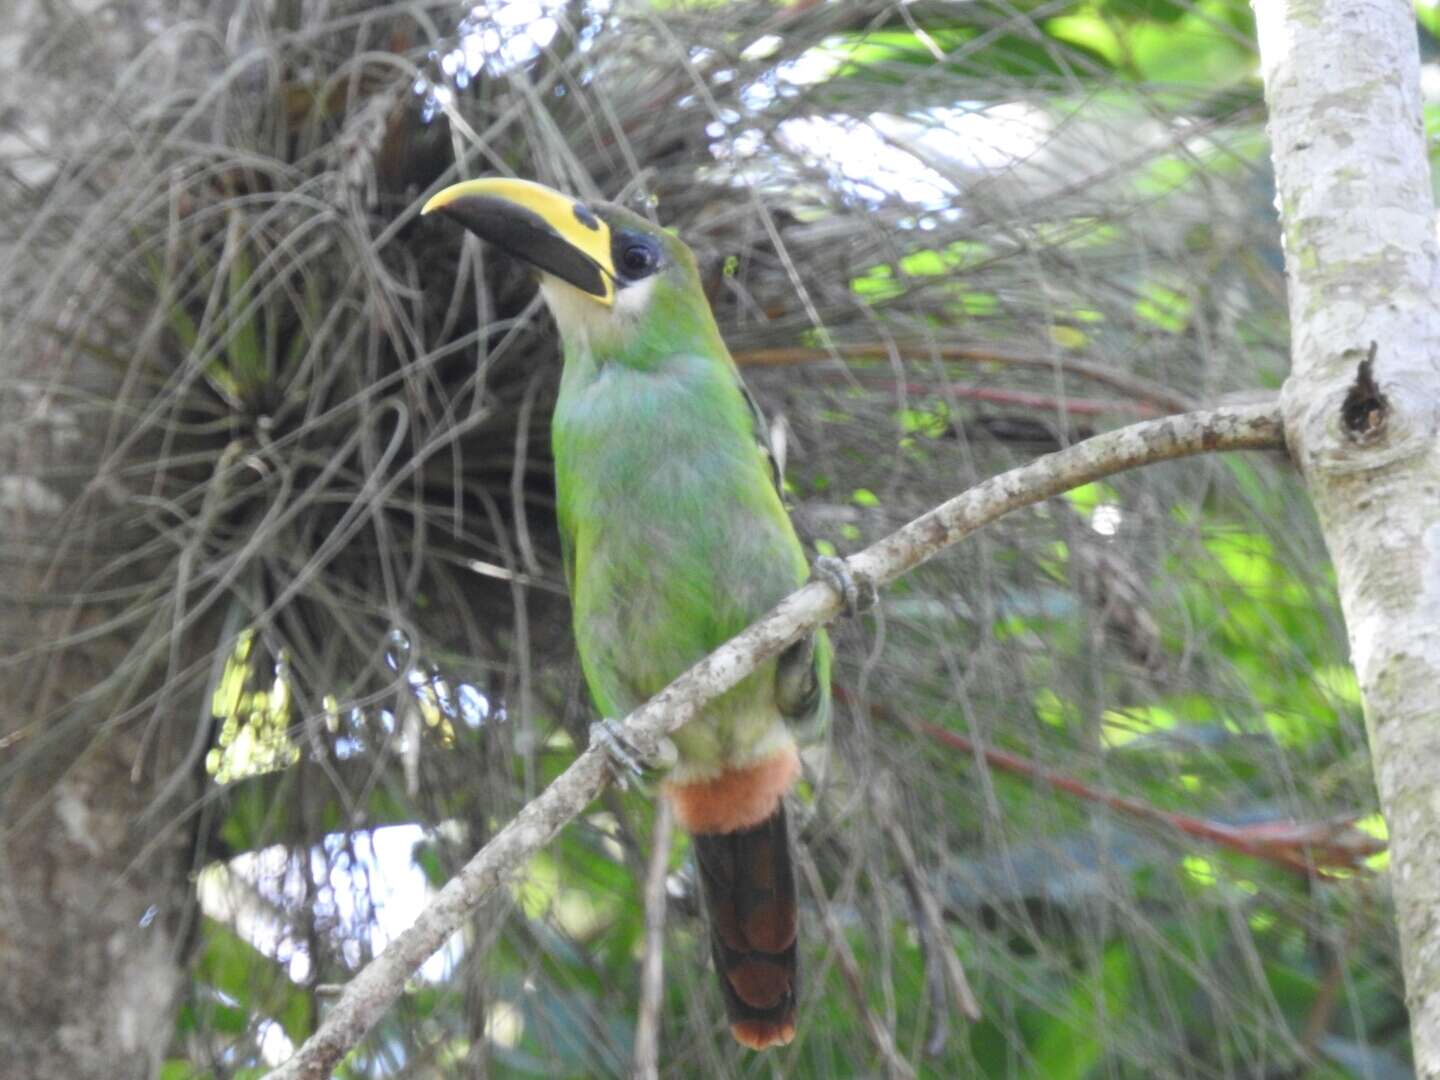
(932, 924)
(652, 973)
(1362, 405)
(896, 1067)
(1311, 849)
(1130, 385)
(371, 991)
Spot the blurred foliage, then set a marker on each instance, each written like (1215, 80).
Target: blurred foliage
(941, 239)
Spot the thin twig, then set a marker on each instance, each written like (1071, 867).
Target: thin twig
(936, 992)
(1139, 389)
(652, 967)
(1020, 399)
(371, 992)
(880, 1035)
(932, 922)
(934, 936)
(1310, 849)
(1332, 984)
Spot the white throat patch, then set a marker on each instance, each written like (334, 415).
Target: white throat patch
(585, 323)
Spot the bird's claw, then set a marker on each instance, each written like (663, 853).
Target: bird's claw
(854, 588)
(626, 759)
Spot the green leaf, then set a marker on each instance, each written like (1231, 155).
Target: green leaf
(245, 350)
(1088, 30)
(255, 982)
(1070, 1044)
(1163, 306)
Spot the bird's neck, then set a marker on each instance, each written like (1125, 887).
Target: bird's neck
(644, 329)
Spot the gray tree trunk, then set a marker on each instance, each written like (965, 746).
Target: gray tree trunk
(94, 894)
(1362, 405)
(91, 927)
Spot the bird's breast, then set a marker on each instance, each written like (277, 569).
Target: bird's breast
(677, 538)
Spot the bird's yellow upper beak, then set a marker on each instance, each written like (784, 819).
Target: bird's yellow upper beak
(553, 232)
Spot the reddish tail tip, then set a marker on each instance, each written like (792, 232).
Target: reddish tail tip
(749, 891)
(763, 1034)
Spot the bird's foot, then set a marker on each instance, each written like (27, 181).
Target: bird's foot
(626, 759)
(854, 588)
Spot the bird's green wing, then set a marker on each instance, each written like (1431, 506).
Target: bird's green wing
(802, 670)
(774, 460)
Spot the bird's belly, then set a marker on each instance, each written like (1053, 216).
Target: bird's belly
(676, 573)
(677, 542)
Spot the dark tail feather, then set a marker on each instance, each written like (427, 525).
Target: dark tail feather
(750, 895)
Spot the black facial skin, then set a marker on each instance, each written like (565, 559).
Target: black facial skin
(525, 234)
(634, 255)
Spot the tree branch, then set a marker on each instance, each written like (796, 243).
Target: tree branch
(1312, 849)
(896, 1067)
(652, 969)
(940, 955)
(1362, 403)
(1140, 389)
(372, 990)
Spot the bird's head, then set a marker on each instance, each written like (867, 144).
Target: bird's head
(610, 277)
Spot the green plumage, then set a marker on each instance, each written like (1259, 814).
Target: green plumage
(675, 536)
(675, 540)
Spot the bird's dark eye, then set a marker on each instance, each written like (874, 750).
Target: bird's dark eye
(638, 259)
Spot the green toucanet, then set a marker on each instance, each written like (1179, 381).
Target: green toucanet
(675, 539)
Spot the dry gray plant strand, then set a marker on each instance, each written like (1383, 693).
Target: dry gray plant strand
(652, 978)
(371, 992)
